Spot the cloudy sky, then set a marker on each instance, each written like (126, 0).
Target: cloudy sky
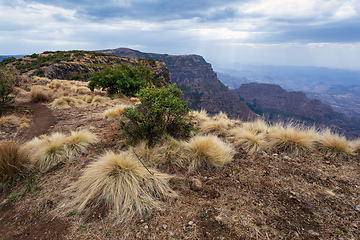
(292, 32)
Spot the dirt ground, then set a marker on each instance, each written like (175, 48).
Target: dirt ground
(263, 196)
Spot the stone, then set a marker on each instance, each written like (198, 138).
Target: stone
(195, 184)
(190, 223)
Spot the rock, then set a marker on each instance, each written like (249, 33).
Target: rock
(164, 226)
(195, 184)
(357, 208)
(286, 157)
(313, 233)
(146, 226)
(190, 223)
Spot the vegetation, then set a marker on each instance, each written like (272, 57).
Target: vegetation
(121, 79)
(208, 151)
(40, 94)
(13, 161)
(6, 88)
(162, 110)
(123, 184)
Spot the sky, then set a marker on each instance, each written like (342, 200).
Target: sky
(322, 33)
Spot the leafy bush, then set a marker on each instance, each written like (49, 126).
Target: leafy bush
(162, 110)
(121, 79)
(6, 88)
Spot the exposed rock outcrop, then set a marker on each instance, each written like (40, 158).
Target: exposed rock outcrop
(199, 83)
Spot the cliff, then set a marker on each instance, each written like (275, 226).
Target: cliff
(196, 78)
(275, 103)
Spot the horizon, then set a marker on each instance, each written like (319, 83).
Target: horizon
(322, 33)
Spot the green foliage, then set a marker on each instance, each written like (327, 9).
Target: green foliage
(121, 79)
(39, 72)
(8, 60)
(162, 111)
(6, 88)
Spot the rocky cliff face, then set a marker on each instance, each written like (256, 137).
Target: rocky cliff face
(199, 83)
(277, 104)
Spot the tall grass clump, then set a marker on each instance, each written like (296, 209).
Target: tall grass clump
(79, 141)
(355, 144)
(334, 144)
(218, 127)
(291, 138)
(249, 141)
(257, 126)
(208, 151)
(167, 152)
(123, 184)
(13, 161)
(201, 115)
(40, 94)
(49, 151)
(115, 112)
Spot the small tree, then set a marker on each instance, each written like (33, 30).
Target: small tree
(162, 111)
(6, 88)
(121, 79)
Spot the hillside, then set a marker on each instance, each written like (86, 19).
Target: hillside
(266, 192)
(196, 78)
(78, 65)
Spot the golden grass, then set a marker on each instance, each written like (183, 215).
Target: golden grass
(13, 160)
(208, 151)
(79, 141)
(55, 84)
(168, 152)
(257, 126)
(115, 112)
(248, 140)
(220, 116)
(201, 115)
(218, 127)
(49, 151)
(40, 94)
(67, 102)
(291, 138)
(99, 100)
(355, 144)
(10, 121)
(123, 184)
(334, 144)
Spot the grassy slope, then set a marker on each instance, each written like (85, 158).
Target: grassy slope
(263, 195)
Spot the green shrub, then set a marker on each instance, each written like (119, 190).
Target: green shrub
(121, 79)
(162, 111)
(39, 72)
(6, 88)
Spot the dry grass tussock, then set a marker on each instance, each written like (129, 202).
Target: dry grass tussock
(208, 151)
(115, 112)
(291, 138)
(220, 116)
(123, 184)
(13, 161)
(356, 145)
(250, 141)
(49, 151)
(55, 84)
(218, 127)
(200, 115)
(14, 121)
(67, 102)
(168, 152)
(41, 94)
(334, 144)
(257, 126)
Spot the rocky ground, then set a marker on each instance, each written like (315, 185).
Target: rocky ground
(267, 195)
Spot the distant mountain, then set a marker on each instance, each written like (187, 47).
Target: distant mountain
(196, 78)
(276, 104)
(336, 87)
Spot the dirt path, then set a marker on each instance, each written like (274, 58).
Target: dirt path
(43, 120)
